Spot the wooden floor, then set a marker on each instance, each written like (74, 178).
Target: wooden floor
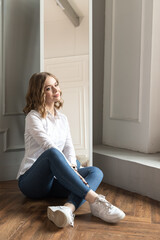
(25, 219)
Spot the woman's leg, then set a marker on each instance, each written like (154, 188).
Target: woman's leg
(38, 180)
(58, 190)
(93, 176)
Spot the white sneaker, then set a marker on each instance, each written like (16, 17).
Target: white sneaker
(61, 216)
(106, 211)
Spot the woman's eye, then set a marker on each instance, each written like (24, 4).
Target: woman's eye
(47, 89)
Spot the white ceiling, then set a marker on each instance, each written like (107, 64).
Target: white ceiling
(80, 6)
(53, 12)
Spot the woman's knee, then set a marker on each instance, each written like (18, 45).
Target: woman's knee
(98, 172)
(55, 157)
(54, 153)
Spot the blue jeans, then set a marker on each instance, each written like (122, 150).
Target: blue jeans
(51, 175)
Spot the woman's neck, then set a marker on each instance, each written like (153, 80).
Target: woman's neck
(50, 110)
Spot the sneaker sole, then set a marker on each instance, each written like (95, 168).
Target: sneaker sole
(115, 220)
(57, 217)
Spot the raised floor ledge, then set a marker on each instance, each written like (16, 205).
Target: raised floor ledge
(130, 170)
(151, 160)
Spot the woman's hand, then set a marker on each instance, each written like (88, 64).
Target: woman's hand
(83, 180)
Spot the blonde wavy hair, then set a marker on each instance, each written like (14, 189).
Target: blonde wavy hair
(35, 97)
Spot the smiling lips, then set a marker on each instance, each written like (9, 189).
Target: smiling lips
(56, 95)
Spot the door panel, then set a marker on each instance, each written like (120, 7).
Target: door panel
(73, 75)
(19, 59)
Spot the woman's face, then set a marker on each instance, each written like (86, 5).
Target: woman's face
(52, 91)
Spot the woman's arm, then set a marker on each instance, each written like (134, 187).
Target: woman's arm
(35, 128)
(68, 149)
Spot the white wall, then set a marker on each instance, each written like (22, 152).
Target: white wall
(127, 98)
(61, 37)
(19, 59)
(66, 55)
(131, 86)
(154, 128)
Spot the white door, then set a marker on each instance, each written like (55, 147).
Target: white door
(74, 82)
(66, 55)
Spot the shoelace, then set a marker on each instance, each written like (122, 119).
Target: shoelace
(101, 199)
(72, 220)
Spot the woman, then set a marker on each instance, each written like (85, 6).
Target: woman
(49, 166)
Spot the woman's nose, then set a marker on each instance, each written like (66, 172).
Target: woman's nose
(54, 89)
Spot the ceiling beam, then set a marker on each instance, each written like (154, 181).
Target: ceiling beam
(69, 11)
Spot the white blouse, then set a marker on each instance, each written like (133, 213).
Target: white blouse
(44, 133)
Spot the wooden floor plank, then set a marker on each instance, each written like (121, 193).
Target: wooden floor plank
(155, 210)
(23, 218)
(143, 207)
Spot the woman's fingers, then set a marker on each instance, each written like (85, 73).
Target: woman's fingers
(81, 177)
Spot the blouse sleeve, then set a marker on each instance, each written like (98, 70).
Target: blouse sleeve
(68, 149)
(35, 128)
